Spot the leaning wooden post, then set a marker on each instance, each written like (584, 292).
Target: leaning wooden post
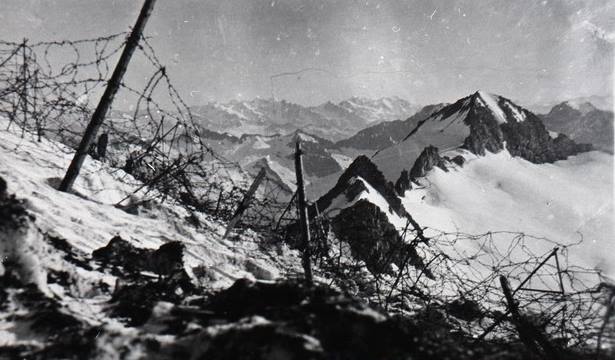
(247, 198)
(107, 98)
(303, 215)
(528, 333)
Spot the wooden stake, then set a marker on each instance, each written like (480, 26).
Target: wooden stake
(303, 215)
(107, 98)
(528, 333)
(245, 202)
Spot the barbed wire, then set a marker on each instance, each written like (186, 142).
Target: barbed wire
(46, 89)
(161, 151)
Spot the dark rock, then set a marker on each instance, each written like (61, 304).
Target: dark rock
(3, 189)
(465, 309)
(427, 160)
(135, 301)
(121, 253)
(459, 160)
(403, 183)
(485, 133)
(372, 238)
(13, 212)
(71, 254)
(167, 259)
(300, 322)
(260, 342)
(62, 278)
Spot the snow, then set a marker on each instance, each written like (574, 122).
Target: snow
(566, 201)
(87, 219)
(518, 115)
(343, 160)
(260, 144)
(305, 137)
(287, 175)
(492, 104)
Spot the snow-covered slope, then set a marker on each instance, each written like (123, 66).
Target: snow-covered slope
(567, 201)
(88, 218)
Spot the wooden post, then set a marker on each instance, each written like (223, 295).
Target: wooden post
(245, 202)
(528, 333)
(303, 215)
(107, 98)
(24, 88)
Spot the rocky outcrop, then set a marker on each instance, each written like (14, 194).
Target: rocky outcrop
(124, 258)
(485, 133)
(403, 183)
(427, 160)
(373, 239)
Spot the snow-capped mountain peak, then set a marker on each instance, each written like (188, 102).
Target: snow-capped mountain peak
(481, 122)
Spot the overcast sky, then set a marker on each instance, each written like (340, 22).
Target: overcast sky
(423, 50)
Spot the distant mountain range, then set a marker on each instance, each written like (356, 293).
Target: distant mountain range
(601, 102)
(332, 121)
(582, 122)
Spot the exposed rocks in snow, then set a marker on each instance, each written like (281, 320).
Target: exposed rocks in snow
(121, 253)
(167, 259)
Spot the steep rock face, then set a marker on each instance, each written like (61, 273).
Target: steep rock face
(403, 183)
(372, 238)
(428, 159)
(485, 132)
